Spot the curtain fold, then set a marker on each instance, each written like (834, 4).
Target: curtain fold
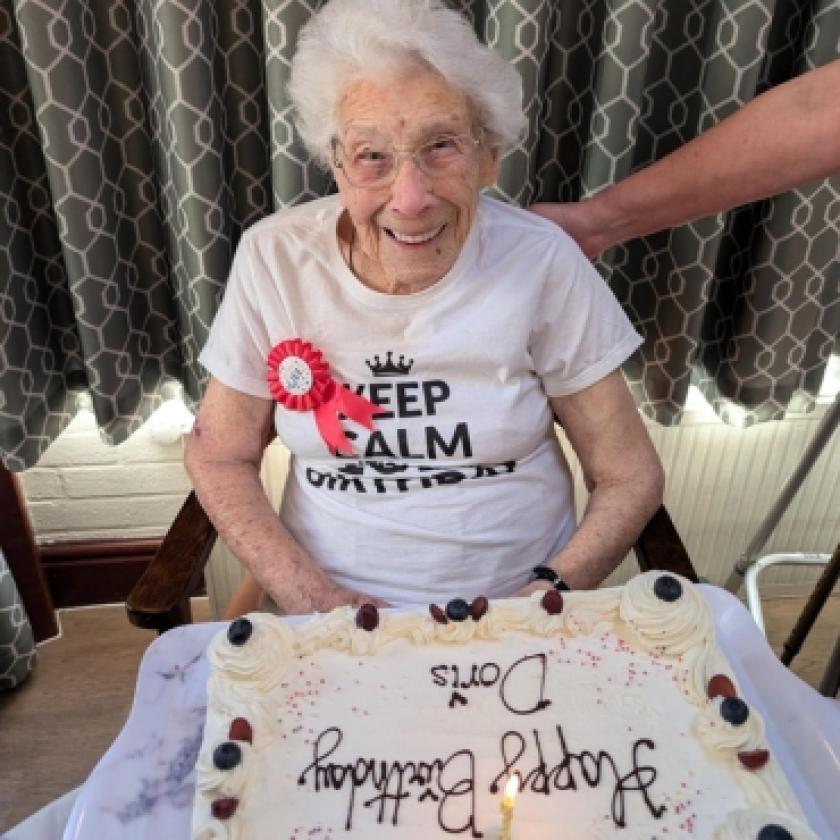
(775, 315)
(138, 140)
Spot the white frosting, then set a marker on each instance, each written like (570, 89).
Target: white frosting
(618, 671)
(213, 829)
(746, 824)
(223, 783)
(259, 661)
(727, 738)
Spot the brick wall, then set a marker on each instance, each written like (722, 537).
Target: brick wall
(82, 489)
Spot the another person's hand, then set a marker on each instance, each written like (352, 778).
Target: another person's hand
(578, 220)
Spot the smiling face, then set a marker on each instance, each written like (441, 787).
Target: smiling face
(407, 235)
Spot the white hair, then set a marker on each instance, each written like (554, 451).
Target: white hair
(353, 39)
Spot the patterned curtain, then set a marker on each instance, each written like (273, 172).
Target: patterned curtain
(139, 137)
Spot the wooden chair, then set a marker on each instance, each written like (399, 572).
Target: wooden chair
(160, 599)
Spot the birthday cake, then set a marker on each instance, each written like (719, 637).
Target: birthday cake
(614, 710)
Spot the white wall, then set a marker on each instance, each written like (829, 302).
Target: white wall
(82, 489)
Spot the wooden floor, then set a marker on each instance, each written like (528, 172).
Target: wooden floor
(56, 725)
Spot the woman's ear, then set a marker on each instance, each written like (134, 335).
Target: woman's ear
(331, 163)
(489, 166)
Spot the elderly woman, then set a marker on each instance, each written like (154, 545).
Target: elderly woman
(412, 342)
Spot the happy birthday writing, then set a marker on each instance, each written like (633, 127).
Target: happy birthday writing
(545, 759)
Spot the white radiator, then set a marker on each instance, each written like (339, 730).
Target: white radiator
(722, 480)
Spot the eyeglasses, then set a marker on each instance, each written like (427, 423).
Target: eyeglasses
(374, 163)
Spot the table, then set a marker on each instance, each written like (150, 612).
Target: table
(142, 789)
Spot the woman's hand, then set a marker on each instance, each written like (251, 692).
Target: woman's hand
(248, 594)
(531, 588)
(338, 596)
(222, 456)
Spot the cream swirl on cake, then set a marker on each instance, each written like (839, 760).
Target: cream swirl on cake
(674, 627)
(250, 669)
(681, 627)
(725, 737)
(749, 824)
(261, 659)
(213, 829)
(222, 783)
(730, 738)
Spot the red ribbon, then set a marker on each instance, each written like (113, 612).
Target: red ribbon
(299, 379)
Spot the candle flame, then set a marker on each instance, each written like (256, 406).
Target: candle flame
(511, 789)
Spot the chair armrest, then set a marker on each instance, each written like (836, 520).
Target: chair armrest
(659, 547)
(160, 600)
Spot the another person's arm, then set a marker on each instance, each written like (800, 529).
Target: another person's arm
(222, 457)
(622, 472)
(786, 137)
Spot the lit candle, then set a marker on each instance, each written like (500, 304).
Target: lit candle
(508, 800)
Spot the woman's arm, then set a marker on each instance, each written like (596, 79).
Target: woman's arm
(622, 471)
(222, 457)
(783, 138)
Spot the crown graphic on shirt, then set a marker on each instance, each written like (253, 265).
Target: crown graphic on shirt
(389, 367)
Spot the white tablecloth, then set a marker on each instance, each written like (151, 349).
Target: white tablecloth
(47, 824)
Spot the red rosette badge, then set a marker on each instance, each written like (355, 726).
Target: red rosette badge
(299, 379)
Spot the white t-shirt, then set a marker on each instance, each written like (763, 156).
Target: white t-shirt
(461, 488)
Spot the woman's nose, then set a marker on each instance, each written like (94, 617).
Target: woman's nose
(411, 190)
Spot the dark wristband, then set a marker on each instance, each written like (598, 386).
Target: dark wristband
(547, 573)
